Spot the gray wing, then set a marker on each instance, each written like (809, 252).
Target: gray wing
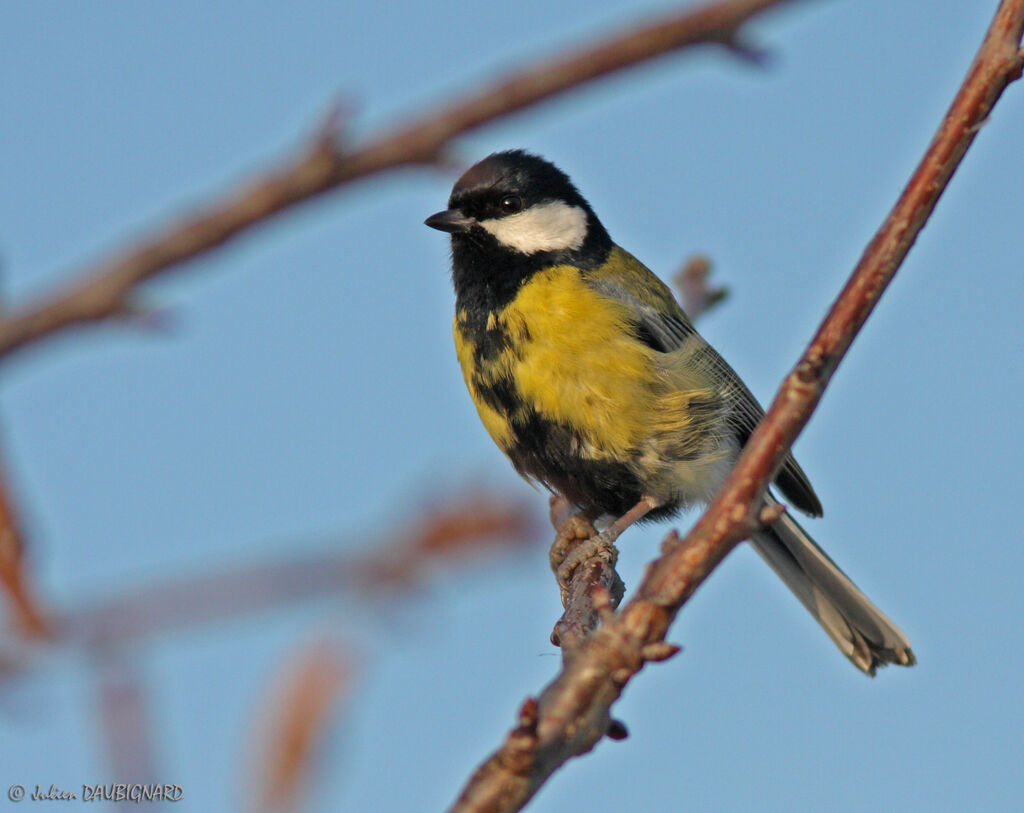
(665, 328)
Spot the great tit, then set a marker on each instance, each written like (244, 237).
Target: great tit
(591, 379)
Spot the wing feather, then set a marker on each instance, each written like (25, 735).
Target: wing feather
(663, 326)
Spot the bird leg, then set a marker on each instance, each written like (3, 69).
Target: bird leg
(566, 557)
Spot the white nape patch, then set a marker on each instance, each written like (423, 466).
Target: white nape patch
(550, 226)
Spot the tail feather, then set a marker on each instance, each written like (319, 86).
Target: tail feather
(861, 631)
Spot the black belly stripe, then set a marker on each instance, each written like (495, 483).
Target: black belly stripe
(490, 338)
(550, 452)
(501, 396)
(540, 448)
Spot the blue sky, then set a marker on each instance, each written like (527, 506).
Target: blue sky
(308, 391)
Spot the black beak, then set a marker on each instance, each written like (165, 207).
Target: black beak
(450, 220)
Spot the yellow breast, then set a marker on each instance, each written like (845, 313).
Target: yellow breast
(580, 364)
(574, 359)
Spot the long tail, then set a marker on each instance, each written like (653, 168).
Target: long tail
(858, 627)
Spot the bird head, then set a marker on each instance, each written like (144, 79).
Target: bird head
(522, 203)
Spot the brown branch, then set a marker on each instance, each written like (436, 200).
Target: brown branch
(293, 719)
(30, 617)
(474, 524)
(471, 525)
(572, 714)
(105, 290)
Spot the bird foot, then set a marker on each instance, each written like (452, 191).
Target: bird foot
(570, 533)
(574, 551)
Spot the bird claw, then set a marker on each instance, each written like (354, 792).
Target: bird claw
(601, 547)
(570, 533)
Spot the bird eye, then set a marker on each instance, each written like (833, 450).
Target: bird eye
(510, 204)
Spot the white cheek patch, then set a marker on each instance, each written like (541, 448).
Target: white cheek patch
(551, 226)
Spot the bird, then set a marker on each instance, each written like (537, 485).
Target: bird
(591, 379)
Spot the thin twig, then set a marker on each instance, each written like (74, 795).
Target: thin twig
(30, 616)
(325, 163)
(572, 714)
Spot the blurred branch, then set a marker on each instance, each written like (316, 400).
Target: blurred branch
(572, 714)
(125, 720)
(692, 283)
(325, 163)
(458, 530)
(464, 527)
(29, 615)
(296, 715)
